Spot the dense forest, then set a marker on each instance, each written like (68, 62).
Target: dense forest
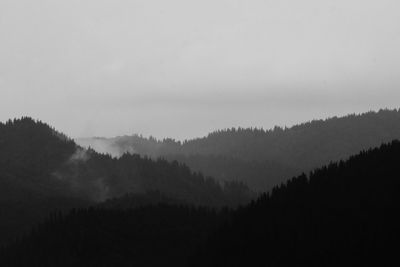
(159, 235)
(42, 170)
(264, 158)
(343, 214)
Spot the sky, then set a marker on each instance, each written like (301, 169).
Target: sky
(183, 68)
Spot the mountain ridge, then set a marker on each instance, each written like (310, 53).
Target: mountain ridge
(42, 170)
(267, 157)
(342, 214)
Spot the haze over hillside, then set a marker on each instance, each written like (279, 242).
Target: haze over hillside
(344, 214)
(264, 158)
(199, 133)
(42, 170)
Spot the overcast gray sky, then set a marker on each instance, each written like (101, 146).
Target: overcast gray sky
(182, 68)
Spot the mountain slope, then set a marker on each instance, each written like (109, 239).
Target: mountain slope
(344, 214)
(29, 152)
(148, 236)
(42, 170)
(265, 158)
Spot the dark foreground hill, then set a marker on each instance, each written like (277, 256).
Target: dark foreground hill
(159, 235)
(29, 153)
(345, 214)
(265, 158)
(42, 170)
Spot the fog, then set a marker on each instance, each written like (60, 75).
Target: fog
(184, 68)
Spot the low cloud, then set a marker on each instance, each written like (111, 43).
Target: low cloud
(80, 155)
(105, 146)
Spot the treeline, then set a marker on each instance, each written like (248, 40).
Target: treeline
(29, 152)
(42, 170)
(344, 214)
(258, 175)
(266, 157)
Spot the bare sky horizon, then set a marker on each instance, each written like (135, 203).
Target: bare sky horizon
(184, 68)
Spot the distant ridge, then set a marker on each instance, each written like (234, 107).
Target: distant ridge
(264, 158)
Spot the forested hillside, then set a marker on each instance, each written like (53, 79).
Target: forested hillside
(344, 214)
(159, 235)
(29, 154)
(42, 170)
(265, 158)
